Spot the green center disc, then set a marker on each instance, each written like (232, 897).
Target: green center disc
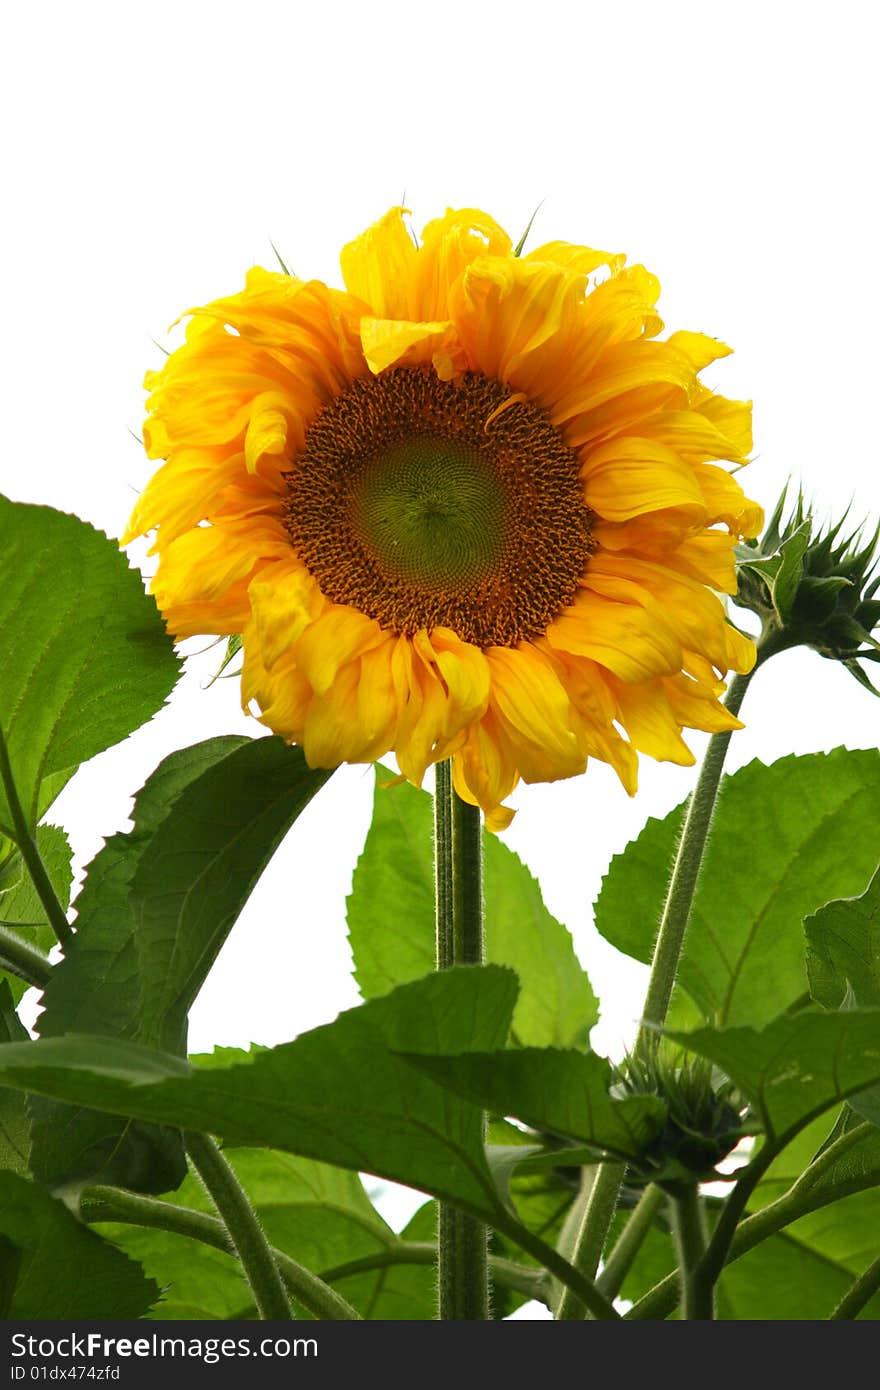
(432, 512)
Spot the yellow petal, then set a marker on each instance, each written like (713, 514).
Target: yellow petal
(379, 266)
(449, 245)
(579, 260)
(699, 349)
(628, 476)
(534, 706)
(285, 600)
(726, 501)
(394, 342)
(465, 671)
(650, 723)
(335, 639)
(619, 636)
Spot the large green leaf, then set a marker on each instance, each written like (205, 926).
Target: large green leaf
(156, 907)
(56, 1268)
(321, 1216)
(391, 921)
(342, 1094)
(563, 1092)
(21, 909)
(799, 1065)
(785, 839)
(84, 656)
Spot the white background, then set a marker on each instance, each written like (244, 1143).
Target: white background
(152, 151)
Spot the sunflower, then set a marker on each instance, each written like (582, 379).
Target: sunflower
(469, 507)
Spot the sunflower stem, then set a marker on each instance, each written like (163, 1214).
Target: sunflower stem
(30, 852)
(682, 885)
(590, 1241)
(630, 1242)
(462, 1242)
(688, 1225)
(600, 1209)
(23, 959)
(99, 1204)
(245, 1231)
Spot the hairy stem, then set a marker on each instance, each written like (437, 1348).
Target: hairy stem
(600, 1210)
(30, 853)
(100, 1203)
(801, 1199)
(506, 1273)
(590, 1242)
(24, 960)
(462, 1240)
(688, 1226)
(245, 1232)
(686, 870)
(582, 1287)
(630, 1241)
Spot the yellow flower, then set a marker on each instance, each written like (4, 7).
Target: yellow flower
(470, 507)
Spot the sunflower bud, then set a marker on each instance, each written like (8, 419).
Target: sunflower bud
(813, 588)
(704, 1120)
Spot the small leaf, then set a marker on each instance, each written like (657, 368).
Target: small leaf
(391, 921)
(84, 656)
(785, 839)
(60, 1269)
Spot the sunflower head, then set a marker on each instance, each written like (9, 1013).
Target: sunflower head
(814, 587)
(470, 506)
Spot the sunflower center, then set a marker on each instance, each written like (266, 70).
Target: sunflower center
(427, 503)
(432, 512)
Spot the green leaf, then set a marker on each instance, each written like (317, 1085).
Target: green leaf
(156, 907)
(341, 1094)
(84, 656)
(319, 1215)
(399, 1291)
(60, 1269)
(391, 921)
(785, 839)
(843, 964)
(15, 1140)
(21, 909)
(563, 1092)
(785, 1279)
(843, 949)
(799, 1065)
